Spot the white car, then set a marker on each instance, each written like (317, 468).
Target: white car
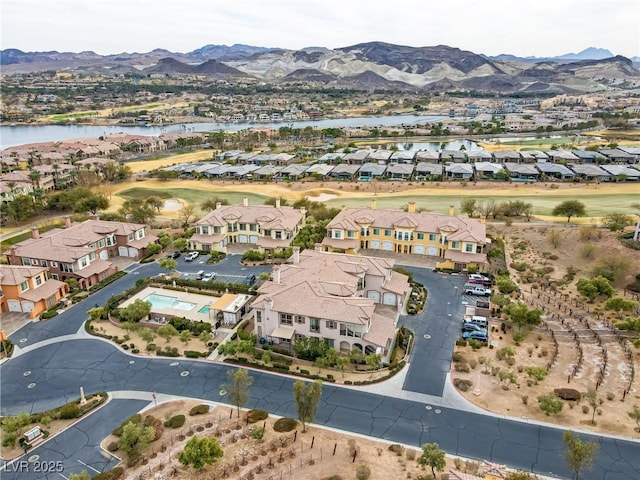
(208, 276)
(191, 256)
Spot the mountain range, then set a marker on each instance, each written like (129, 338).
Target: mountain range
(367, 66)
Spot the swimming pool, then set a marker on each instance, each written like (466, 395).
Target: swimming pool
(164, 301)
(204, 309)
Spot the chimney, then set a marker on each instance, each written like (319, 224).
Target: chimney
(13, 252)
(219, 204)
(373, 204)
(277, 202)
(303, 211)
(35, 233)
(296, 255)
(67, 221)
(268, 305)
(452, 210)
(276, 274)
(317, 247)
(412, 207)
(245, 201)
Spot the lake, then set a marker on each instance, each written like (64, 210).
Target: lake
(11, 135)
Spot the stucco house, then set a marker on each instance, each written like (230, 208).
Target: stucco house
(350, 301)
(29, 289)
(265, 227)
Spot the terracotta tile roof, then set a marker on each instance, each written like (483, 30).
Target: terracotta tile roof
(463, 257)
(16, 274)
(382, 329)
(465, 228)
(44, 291)
(269, 217)
(97, 266)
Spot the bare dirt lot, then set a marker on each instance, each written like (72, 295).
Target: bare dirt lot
(575, 341)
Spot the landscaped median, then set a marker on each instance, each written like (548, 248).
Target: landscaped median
(50, 422)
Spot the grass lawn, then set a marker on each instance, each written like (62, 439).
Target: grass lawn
(190, 195)
(596, 205)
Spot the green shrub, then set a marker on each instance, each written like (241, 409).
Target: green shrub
(256, 415)
(69, 411)
(258, 433)
(199, 409)
(113, 474)
(285, 424)
(112, 447)
(137, 418)
(175, 422)
(192, 354)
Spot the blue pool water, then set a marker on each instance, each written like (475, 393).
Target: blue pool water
(204, 309)
(164, 301)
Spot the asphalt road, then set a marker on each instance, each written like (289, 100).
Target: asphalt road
(51, 375)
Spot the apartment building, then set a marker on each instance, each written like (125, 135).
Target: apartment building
(266, 227)
(350, 301)
(29, 289)
(82, 250)
(459, 241)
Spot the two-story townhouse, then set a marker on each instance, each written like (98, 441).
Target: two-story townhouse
(268, 227)
(459, 241)
(29, 289)
(81, 251)
(350, 301)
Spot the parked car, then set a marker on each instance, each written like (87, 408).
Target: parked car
(249, 279)
(208, 276)
(174, 255)
(478, 320)
(477, 279)
(482, 336)
(191, 256)
(472, 327)
(476, 289)
(200, 275)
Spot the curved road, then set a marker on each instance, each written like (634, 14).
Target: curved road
(50, 371)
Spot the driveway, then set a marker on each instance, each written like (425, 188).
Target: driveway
(12, 321)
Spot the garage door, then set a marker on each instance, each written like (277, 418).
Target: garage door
(374, 295)
(133, 252)
(433, 251)
(243, 239)
(374, 244)
(253, 238)
(123, 251)
(389, 299)
(14, 306)
(27, 307)
(387, 246)
(104, 255)
(419, 249)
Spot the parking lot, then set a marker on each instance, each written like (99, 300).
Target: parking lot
(227, 270)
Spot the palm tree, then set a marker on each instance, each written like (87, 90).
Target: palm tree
(35, 177)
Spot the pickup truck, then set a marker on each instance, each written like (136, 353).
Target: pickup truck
(478, 279)
(476, 289)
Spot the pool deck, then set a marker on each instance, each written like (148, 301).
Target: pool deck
(195, 315)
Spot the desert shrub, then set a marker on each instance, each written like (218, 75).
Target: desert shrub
(112, 447)
(396, 448)
(610, 396)
(175, 422)
(411, 455)
(457, 357)
(585, 409)
(462, 384)
(113, 474)
(363, 472)
(258, 433)
(510, 361)
(473, 364)
(461, 342)
(254, 416)
(525, 399)
(69, 411)
(537, 373)
(199, 410)
(462, 368)
(285, 424)
(569, 394)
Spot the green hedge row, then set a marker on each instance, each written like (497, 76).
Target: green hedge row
(107, 281)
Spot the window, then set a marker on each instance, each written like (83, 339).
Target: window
(253, 227)
(54, 264)
(278, 234)
(39, 280)
(204, 230)
(314, 324)
(55, 276)
(130, 236)
(361, 283)
(299, 319)
(364, 232)
(331, 324)
(285, 319)
(217, 229)
(267, 233)
(26, 261)
(351, 233)
(35, 262)
(258, 316)
(347, 331)
(243, 226)
(455, 244)
(100, 243)
(92, 256)
(84, 262)
(329, 342)
(432, 237)
(24, 286)
(66, 267)
(92, 246)
(469, 248)
(387, 233)
(420, 236)
(43, 263)
(111, 241)
(376, 231)
(337, 234)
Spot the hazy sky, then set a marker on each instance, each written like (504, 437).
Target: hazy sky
(520, 27)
